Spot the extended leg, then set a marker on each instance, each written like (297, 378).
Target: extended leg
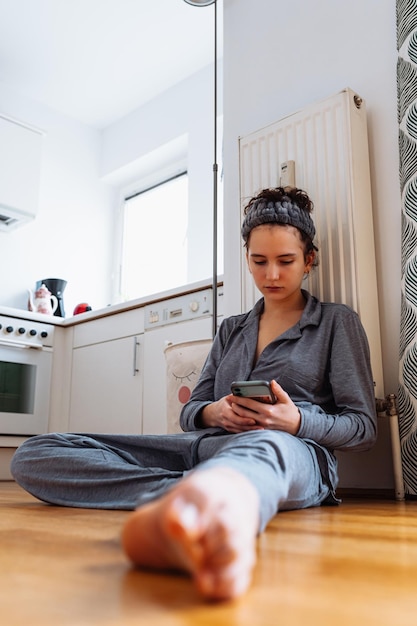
(207, 524)
(287, 472)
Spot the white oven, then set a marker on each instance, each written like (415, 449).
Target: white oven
(25, 375)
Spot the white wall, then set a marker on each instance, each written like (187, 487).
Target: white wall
(173, 131)
(71, 238)
(280, 56)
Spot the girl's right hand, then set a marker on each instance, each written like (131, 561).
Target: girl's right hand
(220, 414)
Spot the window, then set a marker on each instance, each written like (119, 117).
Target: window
(155, 239)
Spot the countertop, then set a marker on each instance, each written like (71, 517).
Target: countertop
(108, 310)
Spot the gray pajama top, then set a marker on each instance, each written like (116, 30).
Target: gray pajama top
(322, 362)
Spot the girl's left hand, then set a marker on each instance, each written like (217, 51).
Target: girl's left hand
(283, 415)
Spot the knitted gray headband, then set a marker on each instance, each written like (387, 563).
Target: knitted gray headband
(283, 212)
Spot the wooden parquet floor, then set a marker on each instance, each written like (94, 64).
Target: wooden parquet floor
(355, 564)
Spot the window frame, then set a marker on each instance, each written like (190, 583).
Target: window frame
(129, 193)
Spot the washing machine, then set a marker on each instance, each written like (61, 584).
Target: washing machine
(183, 318)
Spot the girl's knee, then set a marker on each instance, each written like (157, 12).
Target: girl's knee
(26, 454)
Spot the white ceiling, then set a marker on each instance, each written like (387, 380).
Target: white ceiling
(98, 60)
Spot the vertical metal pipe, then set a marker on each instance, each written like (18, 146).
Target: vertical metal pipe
(203, 3)
(215, 178)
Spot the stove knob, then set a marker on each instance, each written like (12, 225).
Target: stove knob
(9, 329)
(21, 330)
(44, 334)
(32, 332)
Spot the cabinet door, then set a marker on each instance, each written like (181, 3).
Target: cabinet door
(20, 163)
(106, 387)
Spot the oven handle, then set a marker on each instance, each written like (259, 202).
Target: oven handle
(20, 344)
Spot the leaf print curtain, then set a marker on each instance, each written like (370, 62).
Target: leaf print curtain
(407, 118)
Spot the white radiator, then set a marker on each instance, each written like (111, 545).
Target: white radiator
(323, 149)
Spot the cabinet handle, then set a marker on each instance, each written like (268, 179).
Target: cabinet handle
(136, 343)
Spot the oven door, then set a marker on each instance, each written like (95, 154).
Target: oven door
(25, 381)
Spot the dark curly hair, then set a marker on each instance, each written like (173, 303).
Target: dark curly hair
(285, 197)
(277, 194)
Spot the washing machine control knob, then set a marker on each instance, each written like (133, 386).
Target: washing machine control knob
(194, 306)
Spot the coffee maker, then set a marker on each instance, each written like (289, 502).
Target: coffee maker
(56, 286)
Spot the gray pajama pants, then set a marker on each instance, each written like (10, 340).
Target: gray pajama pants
(126, 471)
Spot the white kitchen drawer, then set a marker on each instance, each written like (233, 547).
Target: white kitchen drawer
(109, 327)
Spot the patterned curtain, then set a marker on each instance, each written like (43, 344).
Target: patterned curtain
(407, 118)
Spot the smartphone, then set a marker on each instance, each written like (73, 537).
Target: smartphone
(257, 389)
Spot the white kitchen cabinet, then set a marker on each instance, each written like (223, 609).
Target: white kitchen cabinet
(20, 166)
(107, 375)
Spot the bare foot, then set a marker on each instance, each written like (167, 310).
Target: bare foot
(206, 526)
